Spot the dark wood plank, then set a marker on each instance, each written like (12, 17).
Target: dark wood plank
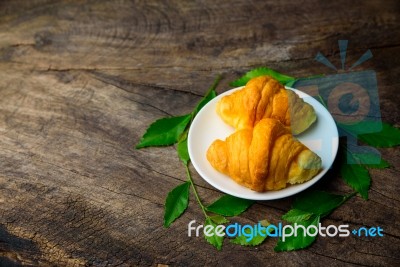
(81, 80)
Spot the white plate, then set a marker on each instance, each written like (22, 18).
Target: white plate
(321, 137)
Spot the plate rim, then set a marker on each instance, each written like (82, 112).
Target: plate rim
(264, 195)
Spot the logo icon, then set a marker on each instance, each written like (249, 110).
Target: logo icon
(352, 99)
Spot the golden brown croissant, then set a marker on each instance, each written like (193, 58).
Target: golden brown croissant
(265, 157)
(264, 97)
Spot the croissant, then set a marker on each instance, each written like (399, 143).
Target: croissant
(264, 97)
(265, 157)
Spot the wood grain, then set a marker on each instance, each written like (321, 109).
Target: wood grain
(80, 81)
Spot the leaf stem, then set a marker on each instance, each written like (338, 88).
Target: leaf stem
(212, 88)
(215, 83)
(350, 196)
(194, 112)
(357, 160)
(189, 176)
(321, 100)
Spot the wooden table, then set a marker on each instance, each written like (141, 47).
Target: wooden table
(80, 81)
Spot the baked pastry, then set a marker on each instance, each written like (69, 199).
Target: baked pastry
(266, 157)
(264, 97)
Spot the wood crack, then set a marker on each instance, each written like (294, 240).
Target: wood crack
(389, 207)
(111, 80)
(373, 254)
(341, 260)
(129, 194)
(386, 196)
(391, 235)
(146, 104)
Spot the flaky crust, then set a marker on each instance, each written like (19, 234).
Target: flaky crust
(265, 157)
(264, 97)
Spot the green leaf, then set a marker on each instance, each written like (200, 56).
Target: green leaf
(299, 241)
(284, 79)
(182, 147)
(374, 133)
(381, 165)
(264, 223)
(212, 94)
(164, 132)
(228, 205)
(213, 239)
(389, 136)
(292, 83)
(254, 241)
(242, 240)
(366, 159)
(318, 202)
(207, 98)
(219, 219)
(361, 127)
(357, 177)
(176, 203)
(295, 215)
(183, 152)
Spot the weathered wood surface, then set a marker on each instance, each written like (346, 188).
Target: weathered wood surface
(81, 80)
